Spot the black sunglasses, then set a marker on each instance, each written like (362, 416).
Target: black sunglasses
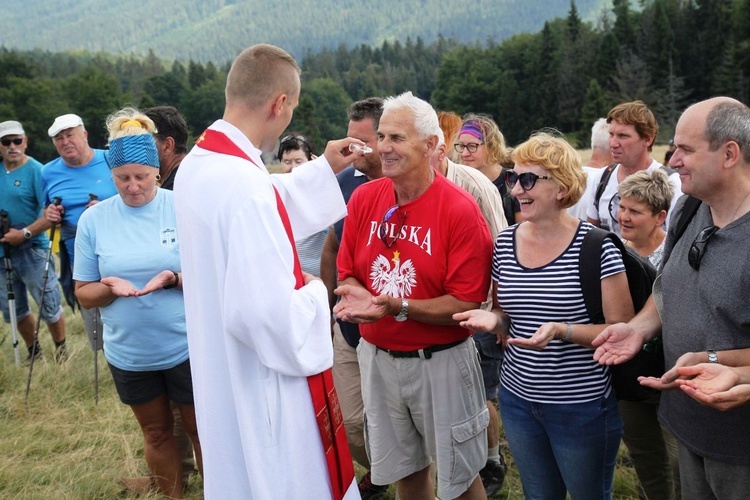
(528, 179)
(17, 141)
(296, 139)
(383, 233)
(698, 248)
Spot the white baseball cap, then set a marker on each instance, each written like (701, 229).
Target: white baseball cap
(64, 122)
(11, 128)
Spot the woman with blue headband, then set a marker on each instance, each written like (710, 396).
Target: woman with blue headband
(128, 265)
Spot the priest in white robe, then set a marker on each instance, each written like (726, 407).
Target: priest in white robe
(258, 329)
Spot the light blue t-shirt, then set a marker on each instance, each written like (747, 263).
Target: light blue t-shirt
(135, 243)
(74, 184)
(22, 196)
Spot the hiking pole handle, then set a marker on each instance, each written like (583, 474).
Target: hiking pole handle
(56, 202)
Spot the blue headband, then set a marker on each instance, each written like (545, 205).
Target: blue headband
(140, 149)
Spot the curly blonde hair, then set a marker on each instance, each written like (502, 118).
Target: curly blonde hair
(129, 121)
(555, 155)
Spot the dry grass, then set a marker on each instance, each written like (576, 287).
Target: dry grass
(60, 445)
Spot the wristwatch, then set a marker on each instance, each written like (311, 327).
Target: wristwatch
(404, 312)
(26, 233)
(712, 357)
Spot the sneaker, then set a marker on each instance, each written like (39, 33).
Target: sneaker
(32, 354)
(369, 491)
(493, 476)
(61, 354)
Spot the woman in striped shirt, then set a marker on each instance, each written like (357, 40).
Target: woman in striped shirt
(557, 405)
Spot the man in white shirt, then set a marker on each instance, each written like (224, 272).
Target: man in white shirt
(632, 131)
(258, 328)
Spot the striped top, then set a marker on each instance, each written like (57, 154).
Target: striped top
(564, 372)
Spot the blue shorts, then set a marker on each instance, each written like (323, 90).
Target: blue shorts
(28, 276)
(490, 361)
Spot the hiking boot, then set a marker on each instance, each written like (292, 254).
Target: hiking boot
(493, 476)
(369, 491)
(142, 485)
(61, 354)
(32, 354)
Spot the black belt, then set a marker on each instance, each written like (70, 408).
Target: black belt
(425, 353)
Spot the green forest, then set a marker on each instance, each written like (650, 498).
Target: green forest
(216, 30)
(669, 53)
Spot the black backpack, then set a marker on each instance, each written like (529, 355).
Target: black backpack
(508, 200)
(641, 275)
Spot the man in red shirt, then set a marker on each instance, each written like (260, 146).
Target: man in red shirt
(416, 250)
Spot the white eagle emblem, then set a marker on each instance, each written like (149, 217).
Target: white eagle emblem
(396, 282)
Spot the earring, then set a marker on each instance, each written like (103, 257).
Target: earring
(158, 177)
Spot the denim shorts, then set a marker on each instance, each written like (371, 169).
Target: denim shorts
(28, 276)
(490, 360)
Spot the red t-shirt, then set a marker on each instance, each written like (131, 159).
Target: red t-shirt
(442, 247)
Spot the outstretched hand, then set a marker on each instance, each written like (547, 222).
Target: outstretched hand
(357, 305)
(477, 320)
(338, 155)
(714, 385)
(617, 344)
(541, 338)
(670, 379)
(164, 278)
(120, 287)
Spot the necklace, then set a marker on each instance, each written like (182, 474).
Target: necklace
(732, 218)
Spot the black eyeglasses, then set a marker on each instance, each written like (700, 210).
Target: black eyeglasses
(698, 248)
(389, 237)
(472, 147)
(528, 179)
(17, 141)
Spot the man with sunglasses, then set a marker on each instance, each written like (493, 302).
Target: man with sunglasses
(700, 298)
(416, 250)
(632, 131)
(22, 201)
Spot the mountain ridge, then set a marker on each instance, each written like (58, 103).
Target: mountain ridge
(216, 30)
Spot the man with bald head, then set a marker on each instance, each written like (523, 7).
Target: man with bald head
(700, 299)
(258, 327)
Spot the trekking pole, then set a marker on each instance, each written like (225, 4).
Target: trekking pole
(56, 201)
(9, 280)
(94, 197)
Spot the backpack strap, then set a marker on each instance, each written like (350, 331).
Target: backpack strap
(590, 271)
(603, 181)
(668, 170)
(689, 209)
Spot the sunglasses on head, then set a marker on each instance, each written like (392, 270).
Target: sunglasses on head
(527, 179)
(698, 247)
(296, 139)
(7, 142)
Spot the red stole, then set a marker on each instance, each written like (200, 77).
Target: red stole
(324, 398)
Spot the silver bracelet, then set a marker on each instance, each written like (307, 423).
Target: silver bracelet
(568, 332)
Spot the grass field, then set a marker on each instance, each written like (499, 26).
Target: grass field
(62, 446)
